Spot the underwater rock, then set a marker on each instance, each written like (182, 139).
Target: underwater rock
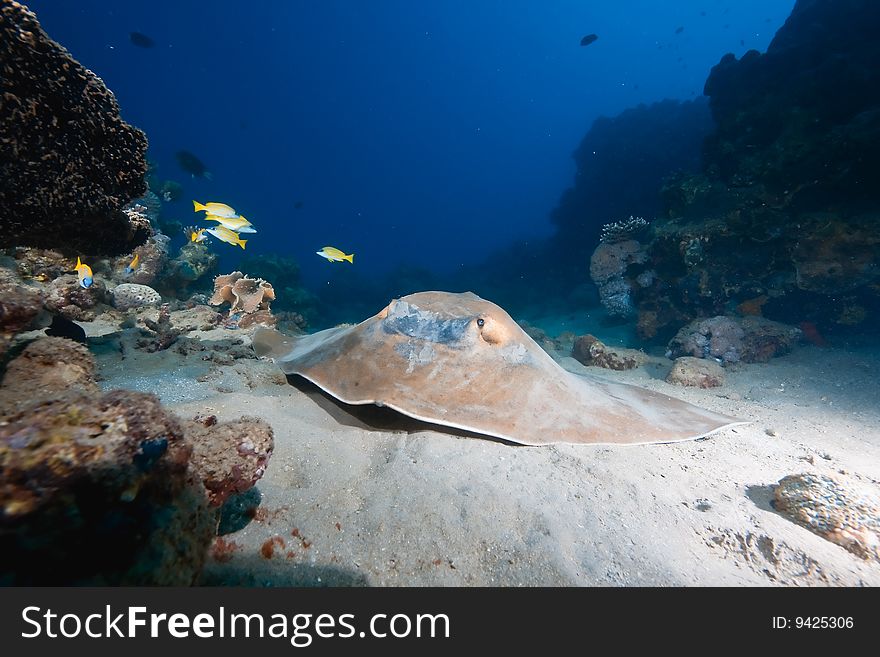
(152, 261)
(229, 457)
(68, 161)
(66, 297)
(611, 270)
(109, 489)
(833, 510)
(589, 350)
(197, 318)
(48, 368)
(132, 295)
(97, 490)
(21, 307)
(731, 339)
(261, 317)
(696, 373)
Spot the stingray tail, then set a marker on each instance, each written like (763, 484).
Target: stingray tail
(271, 344)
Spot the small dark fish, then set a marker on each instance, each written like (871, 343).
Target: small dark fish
(702, 13)
(587, 40)
(62, 327)
(742, 42)
(679, 30)
(192, 165)
(298, 205)
(141, 40)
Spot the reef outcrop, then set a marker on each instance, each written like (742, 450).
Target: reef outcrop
(20, 307)
(68, 161)
(109, 489)
(784, 209)
(732, 339)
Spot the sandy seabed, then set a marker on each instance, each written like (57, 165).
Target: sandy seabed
(364, 496)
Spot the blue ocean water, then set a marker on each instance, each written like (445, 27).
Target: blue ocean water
(413, 134)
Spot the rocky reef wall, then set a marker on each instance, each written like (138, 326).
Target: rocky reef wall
(782, 219)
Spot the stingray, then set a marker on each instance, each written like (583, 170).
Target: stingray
(460, 361)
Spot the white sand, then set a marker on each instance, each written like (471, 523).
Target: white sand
(378, 499)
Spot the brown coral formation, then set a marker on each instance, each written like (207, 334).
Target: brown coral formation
(47, 369)
(230, 457)
(104, 489)
(20, 308)
(589, 350)
(733, 339)
(833, 510)
(96, 490)
(66, 297)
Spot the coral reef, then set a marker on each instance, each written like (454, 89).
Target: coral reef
(730, 339)
(97, 490)
(108, 489)
(66, 297)
(69, 163)
(152, 262)
(833, 510)
(230, 457)
(589, 350)
(696, 373)
(784, 207)
(20, 307)
(132, 295)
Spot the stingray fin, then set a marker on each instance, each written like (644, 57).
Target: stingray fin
(271, 343)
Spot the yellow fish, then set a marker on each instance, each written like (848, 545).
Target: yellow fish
(197, 236)
(134, 264)
(225, 235)
(84, 273)
(335, 255)
(217, 209)
(239, 225)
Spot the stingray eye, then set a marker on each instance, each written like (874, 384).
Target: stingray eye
(481, 322)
